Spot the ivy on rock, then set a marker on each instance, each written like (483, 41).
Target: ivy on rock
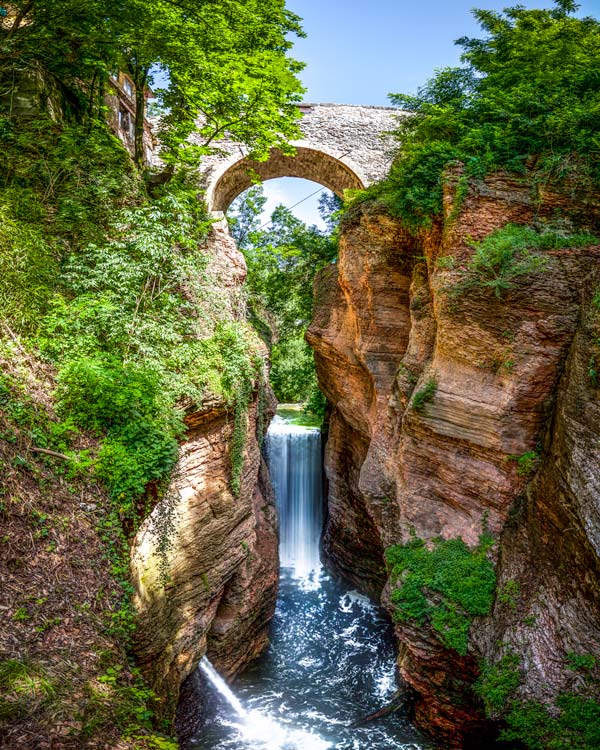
(444, 585)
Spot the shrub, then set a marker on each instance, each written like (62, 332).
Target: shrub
(28, 271)
(502, 107)
(128, 406)
(445, 586)
(576, 725)
(509, 593)
(527, 463)
(572, 722)
(497, 682)
(424, 395)
(505, 255)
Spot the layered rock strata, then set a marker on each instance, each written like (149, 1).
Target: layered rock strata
(505, 377)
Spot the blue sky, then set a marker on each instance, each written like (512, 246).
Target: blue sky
(359, 52)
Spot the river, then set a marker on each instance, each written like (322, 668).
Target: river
(331, 658)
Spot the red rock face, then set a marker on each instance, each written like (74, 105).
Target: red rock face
(221, 561)
(551, 543)
(385, 326)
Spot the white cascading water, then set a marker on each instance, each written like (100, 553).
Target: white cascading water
(294, 455)
(222, 687)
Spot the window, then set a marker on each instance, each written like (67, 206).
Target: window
(128, 87)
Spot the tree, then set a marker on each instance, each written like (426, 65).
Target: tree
(526, 97)
(244, 218)
(227, 66)
(283, 259)
(226, 62)
(73, 41)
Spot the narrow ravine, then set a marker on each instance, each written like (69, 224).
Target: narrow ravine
(331, 661)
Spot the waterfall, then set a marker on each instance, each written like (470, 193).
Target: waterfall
(222, 687)
(294, 456)
(257, 727)
(331, 660)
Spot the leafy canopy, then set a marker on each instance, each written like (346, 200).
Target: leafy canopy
(225, 62)
(526, 97)
(283, 259)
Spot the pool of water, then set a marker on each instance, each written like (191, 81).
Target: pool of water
(330, 664)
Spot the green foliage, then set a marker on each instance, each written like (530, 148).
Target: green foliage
(575, 727)
(65, 181)
(527, 463)
(292, 369)
(32, 421)
(445, 586)
(120, 698)
(497, 682)
(299, 416)
(126, 404)
(571, 723)
(527, 88)
(153, 742)
(227, 64)
(582, 662)
(28, 270)
(413, 189)
(282, 261)
(316, 404)
(509, 593)
(593, 364)
(424, 395)
(506, 254)
(60, 187)
(241, 366)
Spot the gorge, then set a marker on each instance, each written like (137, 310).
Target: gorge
(409, 555)
(331, 658)
(397, 470)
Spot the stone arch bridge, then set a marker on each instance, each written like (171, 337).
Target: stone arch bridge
(342, 146)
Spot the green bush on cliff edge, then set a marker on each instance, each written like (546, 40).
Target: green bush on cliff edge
(444, 586)
(504, 108)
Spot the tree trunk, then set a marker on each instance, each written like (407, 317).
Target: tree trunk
(140, 78)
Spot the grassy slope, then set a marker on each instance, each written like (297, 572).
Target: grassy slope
(65, 681)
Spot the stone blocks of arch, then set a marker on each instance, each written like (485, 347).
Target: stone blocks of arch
(343, 146)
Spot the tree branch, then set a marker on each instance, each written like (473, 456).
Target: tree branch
(47, 452)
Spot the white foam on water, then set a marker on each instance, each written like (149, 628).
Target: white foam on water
(355, 598)
(385, 682)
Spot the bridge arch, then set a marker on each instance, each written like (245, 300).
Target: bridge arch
(308, 163)
(342, 146)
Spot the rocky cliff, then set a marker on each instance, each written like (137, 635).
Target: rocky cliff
(435, 399)
(205, 562)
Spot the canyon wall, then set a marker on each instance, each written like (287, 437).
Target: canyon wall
(205, 562)
(495, 378)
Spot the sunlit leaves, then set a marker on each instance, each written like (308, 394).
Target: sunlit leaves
(526, 97)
